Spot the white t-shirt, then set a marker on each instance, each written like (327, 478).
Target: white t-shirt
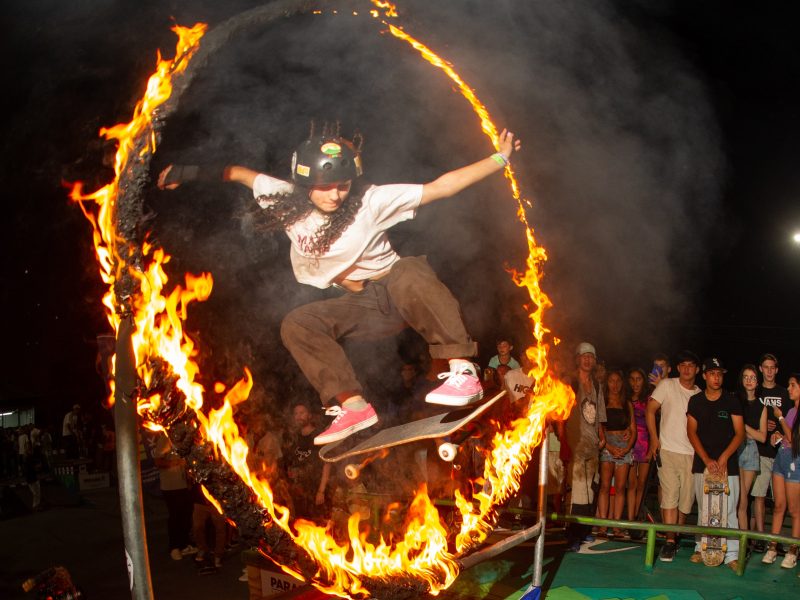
(674, 400)
(363, 250)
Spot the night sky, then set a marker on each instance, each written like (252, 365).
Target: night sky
(71, 68)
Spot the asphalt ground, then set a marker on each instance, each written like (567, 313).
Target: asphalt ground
(85, 536)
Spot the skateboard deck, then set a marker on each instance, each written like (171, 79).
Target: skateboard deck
(715, 514)
(437, 426)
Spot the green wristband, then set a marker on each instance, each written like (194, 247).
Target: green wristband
(500, 158)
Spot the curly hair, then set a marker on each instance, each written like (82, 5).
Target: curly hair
(284, 210)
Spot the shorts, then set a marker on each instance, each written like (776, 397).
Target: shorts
(677, 484)
(785, 466)
(764, 478)
(748, 456)
(615, 439)
(555, 473)
(580, 479)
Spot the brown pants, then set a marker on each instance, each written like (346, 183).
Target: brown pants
(410, 295)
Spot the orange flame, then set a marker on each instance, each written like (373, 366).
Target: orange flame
(420, 550)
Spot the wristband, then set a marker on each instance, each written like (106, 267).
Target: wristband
(781, 418)
(501, 159)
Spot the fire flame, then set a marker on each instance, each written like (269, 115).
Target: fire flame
(421, 550)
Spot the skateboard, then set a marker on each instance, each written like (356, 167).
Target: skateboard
(435, 427)
(715, 514)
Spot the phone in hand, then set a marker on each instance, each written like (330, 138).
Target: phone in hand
(656, 371)
(658, 459)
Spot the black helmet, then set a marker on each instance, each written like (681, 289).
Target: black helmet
(325, 160)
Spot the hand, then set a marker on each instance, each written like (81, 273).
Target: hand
(507, 144)
(654, 446)
(320, 499)
(771, 426)
(627, 435)
(775, 438)
(174, 175)
(714, 467)
(654, 378)
(777, 412)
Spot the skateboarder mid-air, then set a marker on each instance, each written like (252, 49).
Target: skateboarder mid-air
(337, 225)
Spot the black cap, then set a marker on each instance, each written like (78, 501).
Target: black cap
(713, 364)
(687, 356)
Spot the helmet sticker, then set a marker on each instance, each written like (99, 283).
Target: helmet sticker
(331, 149)
(303, 170)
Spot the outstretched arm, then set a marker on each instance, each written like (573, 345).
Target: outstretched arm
(455, 181)
(174, 175)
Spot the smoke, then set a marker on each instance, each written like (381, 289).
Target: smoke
(621, 158)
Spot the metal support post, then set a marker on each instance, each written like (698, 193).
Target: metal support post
(130, 476)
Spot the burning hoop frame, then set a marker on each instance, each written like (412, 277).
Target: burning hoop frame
(132, 264)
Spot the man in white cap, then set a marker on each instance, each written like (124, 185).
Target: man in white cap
(583, 441)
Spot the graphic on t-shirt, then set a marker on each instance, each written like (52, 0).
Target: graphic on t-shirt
(772, 401)
(589, 411)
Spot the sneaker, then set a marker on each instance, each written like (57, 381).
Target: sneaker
(697, 557)
(217, 562)
(626, 535)
(243, 576)
(770, 556)
(668, 551)
(733, 565)
(760, 546)
(346, 423)
(461, 386)
(790, 560)
(574, 546)
(189, 550)
(207, 570)
(175, 554)
(200, 557)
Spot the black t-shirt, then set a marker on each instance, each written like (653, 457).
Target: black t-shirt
(772, 397)
(752, 412)
(715, 427)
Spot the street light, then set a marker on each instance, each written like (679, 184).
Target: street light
(796, 238)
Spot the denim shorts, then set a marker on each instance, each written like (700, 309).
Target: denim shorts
(615, 439)
(748, 456)
(786, 466)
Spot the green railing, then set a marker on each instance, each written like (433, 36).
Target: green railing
(652, 528)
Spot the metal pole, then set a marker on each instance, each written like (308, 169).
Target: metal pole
(130, 476)
(538, 557)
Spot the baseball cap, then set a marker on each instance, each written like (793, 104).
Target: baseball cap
(687, 356)
(713, 364)
(585, 348)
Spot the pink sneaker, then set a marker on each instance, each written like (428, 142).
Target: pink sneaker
(346, 423)
(461, 387)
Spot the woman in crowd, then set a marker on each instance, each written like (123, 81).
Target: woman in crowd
(786, 475)
(637, 476)
(616, 456)
(755, 425)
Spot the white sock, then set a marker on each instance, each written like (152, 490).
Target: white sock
(355, 403)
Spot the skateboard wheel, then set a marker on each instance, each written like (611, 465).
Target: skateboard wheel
(704, 547)
(447, 451)
(351, 471)
(705, 489)
(724, 547)
(727, 489)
